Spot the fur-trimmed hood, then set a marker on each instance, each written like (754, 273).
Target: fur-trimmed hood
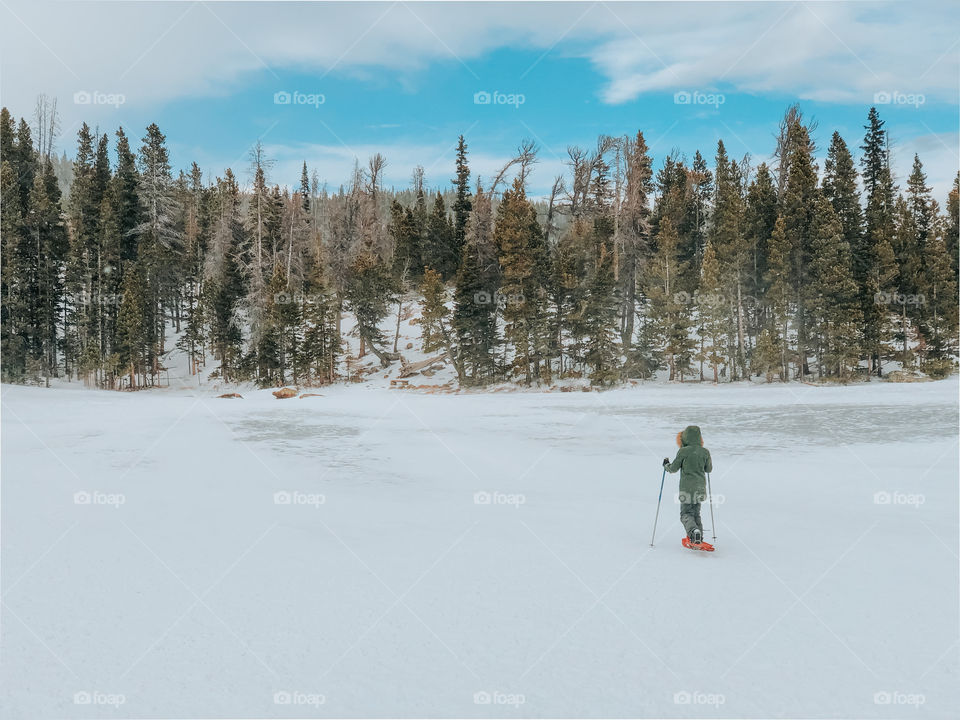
(690, 436)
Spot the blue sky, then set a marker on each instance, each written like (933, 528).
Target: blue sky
(401, 79)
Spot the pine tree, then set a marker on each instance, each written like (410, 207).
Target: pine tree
(840, 188)
(477, 286)
(520, 248)
(834, 306)
(676, 201)
(876, 255)
(134, 327)
(599, 317)
(305, 189)
(760, 216)
(462, 205)
(939, 293)
(320, 349)
(370, 289)
(634, 228)
(701, 181)
(224, 285)
(26, 162)
(952, 234)
(406, 239)
(196, 238)
(126, 182)
(798, 203)
(44, 290)
(83, 341)
(8, 141)
(920, 201)
(440, 250)
(566, 291)
(669, 305)
(435, 316)
(270, 345)
(159, 236)
(15, 267)
(778, 281)
(732, 251)
(158, 200)
(713, 312)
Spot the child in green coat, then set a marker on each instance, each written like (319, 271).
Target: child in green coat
(693, 461)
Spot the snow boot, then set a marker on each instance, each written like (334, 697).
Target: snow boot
(696, 537)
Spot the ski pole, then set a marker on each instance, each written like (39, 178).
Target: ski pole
(657, 517)
(713, 524)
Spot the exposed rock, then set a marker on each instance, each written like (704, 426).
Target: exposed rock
(284, 393)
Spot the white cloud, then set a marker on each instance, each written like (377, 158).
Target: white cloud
(833, 52)
(153, 52)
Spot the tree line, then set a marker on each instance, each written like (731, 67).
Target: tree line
(721, 273)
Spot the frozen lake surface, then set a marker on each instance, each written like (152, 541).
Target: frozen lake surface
(386, 553)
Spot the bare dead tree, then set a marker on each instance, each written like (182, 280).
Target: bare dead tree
(556, 191)
(525, 157)
(785, 136)
(46, 125)
(375, 168)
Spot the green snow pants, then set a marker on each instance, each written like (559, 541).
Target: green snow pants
(690, 517)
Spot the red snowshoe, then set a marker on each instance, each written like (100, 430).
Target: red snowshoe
(702, 546)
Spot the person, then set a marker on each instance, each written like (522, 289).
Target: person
(693, 461)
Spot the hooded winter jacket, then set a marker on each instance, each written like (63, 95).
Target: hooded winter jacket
(693, 461)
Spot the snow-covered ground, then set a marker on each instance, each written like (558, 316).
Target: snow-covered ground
(377, 552)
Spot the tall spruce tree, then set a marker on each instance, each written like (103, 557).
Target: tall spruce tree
(224, 282)
(876, 255)
(475, 296)
(713, 313)
(462, 205)
(634, 228)
(670, 305)
(834, 307)
(798, 210)
(522, 254)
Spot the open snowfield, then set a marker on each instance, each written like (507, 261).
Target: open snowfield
(375, 552)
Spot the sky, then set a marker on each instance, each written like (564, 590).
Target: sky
(333, 83)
